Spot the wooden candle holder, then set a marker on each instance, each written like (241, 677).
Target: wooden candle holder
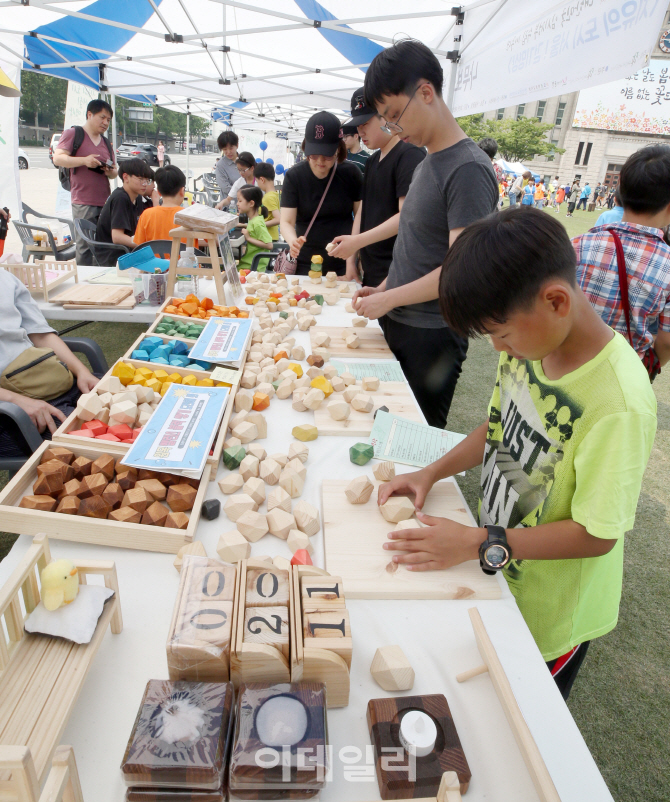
(35, 278)
(384, 717)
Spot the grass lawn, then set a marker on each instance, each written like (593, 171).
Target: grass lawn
(621, 700)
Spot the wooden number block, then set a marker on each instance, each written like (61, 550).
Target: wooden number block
(359, 490)
(94, 507)
(125, 515)
(291, 481)
(299, 451)
(384, 471)
(266, 587)
(397, 508)
(181, 497)
(93, 485)
(328, 629)
(56, 452)
(252, 525)
(212, 582)
(362, 403)
(279, 498)
(155, 514)
(249, 467)
(104, 464)
(156, 488)
(49, 484)
(137, 498)
(269, 471)
(307, 518)
(231, 483)
(82, 467)
(338, 409)
(321, 593)
(370, 383)
(238, 504)
(280, 522)
(113, 494)
(268, 625)
(205, 622)
(195, 547)
(391, 670)
(40, 502)
(255, 488)
(233, 547)
(69, 505)
(176, 520)
(299, 541)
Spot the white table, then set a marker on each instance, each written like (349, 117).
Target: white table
(436, 636)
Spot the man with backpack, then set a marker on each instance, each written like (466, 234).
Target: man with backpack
(87, 162)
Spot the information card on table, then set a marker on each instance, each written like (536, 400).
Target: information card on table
(222, 340)
(179, 434)
(386, 371)
(409, 442)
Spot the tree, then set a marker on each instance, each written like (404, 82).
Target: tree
(43, 98)
(167, 123)
(518, 140)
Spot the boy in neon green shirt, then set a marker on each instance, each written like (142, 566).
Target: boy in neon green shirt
(571, 425)
(249, 202)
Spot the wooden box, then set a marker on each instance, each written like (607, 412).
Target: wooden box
(198, 645)
(165, 338)
(37, 279)
(87, 530)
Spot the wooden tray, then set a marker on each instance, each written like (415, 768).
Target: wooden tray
(165, 338)
(395, 395)
(373, 345)
(80, 529)
(353, 538)
(93, 295)
(35, 278)
(150, 332)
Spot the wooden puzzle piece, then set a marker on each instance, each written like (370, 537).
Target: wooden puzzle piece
(267, 625)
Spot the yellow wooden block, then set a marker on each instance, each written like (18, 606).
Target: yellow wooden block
(221, 384)
(138, 380)
(322, 383)
(305, 432)
(154, 384)
(125, 373)
(175, 378)
(295, 367)
(204, 383)
(190, 380)
(165, 387)
(161, 375)
(148, 374)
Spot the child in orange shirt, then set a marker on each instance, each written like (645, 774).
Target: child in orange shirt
(157, 221)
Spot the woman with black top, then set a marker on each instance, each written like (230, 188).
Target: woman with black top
(303, 188)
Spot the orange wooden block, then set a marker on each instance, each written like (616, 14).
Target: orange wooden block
(171, 309)
(156, 514)
(69, 505)
(261, 401)
(206, 303)
(181, 497)
(125, 515)
(43, 503)
(176, 520)
(93, 485)
(94, 507)
(280, 355)
(243, 314)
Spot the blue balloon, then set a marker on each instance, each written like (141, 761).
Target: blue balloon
(258, 161)
(269, 161)
(279, 169)
(263, 145)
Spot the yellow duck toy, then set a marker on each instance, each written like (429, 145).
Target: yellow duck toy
(60, 584)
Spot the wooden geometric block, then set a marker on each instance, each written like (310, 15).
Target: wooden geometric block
(260, 422)
(359, 490)
(328, 629)
(315, 361)
(362, 403)
(94, 507)
(370, 383)
(181, 497)
(71, 488)
(266, 587)
(43, 503)
(252, 525)
(298, 540)
(57, 452)
(299, 451)
(307, 518)
(350, 393)
(82, 467)
(280, 522)
(361, 453)
(104, 464)
(297, 466)
(391, 670)
(249, 467)
(56, 466)
(231, 483)
(89, 406)
(113, 494)
(384, 471)
(270, 471)
(233, 455)
(313, 398)
(305, 432)
(352, 341)
(321, 593)
(396, 509)
(322, 339)
(338, 409)
(244, 400)
(125, 515)
(195, 547)
(257, 450)
(291, 482)
(69, 505)
(237, 505)
(154, 487)
(245, 431)
(155, 514)
(255, 488)
(176, 520)
(338, 384)
(123, 412)
(233, 547)
(268, 625)
(137, 498)
(48, 484)
(261, 401)
(92, 485)
(126, 480)
(348, 378)
(279, 498)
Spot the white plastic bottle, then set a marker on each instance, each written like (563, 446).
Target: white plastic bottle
(187, 285)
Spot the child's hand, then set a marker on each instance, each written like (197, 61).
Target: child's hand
(441, 543)
(86, 381)
(417, 484)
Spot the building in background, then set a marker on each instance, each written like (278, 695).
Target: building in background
(602, 126)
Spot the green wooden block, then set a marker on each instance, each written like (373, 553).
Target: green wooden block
(361, 453)
(233, 456)
(276, 384)
(318, 299)
(283, 315)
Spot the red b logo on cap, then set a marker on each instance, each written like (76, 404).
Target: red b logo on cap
(318, 132)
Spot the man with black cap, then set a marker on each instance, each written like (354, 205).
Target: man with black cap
(352, 140)
(386, 180)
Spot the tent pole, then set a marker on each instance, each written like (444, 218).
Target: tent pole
(188, 139)
(113, 104)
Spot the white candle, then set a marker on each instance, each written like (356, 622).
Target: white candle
(418, 733)
(281, 721)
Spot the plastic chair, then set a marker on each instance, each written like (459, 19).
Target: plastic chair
(162, 248)
(277, 248)
(79, 345)
(87, 231)
(26, 210)
(26, 230)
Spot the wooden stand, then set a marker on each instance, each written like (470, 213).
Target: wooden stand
(535, 764)
(214, 271)
(35, 279)
(35, 704)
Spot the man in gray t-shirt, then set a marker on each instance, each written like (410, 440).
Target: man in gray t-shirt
(455, 185)
(226, 169)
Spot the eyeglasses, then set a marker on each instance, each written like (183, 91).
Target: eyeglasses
(394, 128)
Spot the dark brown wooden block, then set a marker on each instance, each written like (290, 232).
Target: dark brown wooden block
(119, 467)
(168, 478)
(155, 514)
(65, 470)
(94, 507)
(59, 453)
(72, 488)
(126, 515)
(143, 473)
(137, 498)
(43, 503)
(126, 480)
(93, 485)
(176, 520)
(181, 497)
(384, 717)
(104, 465)
(82, 467)
(69, 505)
(113, 495)
(153, 486)
(315, 360)
(48, 484)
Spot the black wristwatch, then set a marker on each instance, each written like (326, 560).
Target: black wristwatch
(494, 553)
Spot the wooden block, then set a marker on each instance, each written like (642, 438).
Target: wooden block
(298, 352)
(69, 505)
(255, 488)
(71, 488)
(123, 412)
(249, 467)
(280, 522)
(359, 490)
(42, 503)
(392, 670)
(59, 453)
(397, 508)
(82, 467)
(49, 484)
(282, 459)
(56, 466)
(321, 339)
(233, 455)
(328, 629)
(252, 525)
(126, 480)
(384, 471)
(298, 451)
(291, 482)
(245, 431)
(285, 389)
(307, 518)
(305, 432)
(231, 483)
(244, 401)
(350, 393)
(361, 453)
(104, 464)
(362, 403)
(267, 587)
(268, 625)
(233, 547)
(125, 515)
(315, 360)
(280, 499)
(321, 593)
(137, 498)
(180, 497)
(258, 419)
(196, 547)
(297, 404)
(370, 383)
(109, 384)
(155, 488)
(237, 505)
(269, 471)
(359, 322)
(205, 622)
(281, 563)
(92, 485)
(352, 341)
(297, 466)
(156, 514)
(298, 541)
(338, 384)
(94, 507)
(113, 494)
(212, 581)
(330, 371)
(348, 378)
(177, 520)
(89, 406)
(338, 409)
(261, 401)
(257, 450)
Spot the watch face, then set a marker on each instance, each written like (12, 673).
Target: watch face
(664, 42)
(495, 556)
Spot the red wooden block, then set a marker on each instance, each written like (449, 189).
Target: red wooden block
(120, 430)
(109, 437)
(136, 432)
(301, 557)
(96, 426)
(127, 438)
(83, 433)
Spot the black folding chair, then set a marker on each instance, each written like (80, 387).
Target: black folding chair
(87, 231)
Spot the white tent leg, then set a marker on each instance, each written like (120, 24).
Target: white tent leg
(188, 139)
(114, 145)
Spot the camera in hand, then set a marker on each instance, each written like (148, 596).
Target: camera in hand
(101, 168)
(4, 224)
